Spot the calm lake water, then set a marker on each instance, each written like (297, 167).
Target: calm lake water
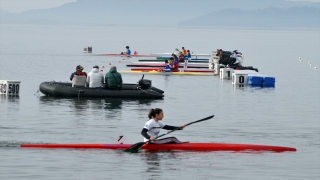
(286, 115)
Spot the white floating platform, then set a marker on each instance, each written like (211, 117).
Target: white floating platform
(10, 87)
(251, 77)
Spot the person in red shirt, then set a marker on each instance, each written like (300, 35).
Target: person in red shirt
(174, 63)
(78, 72)
(181, 56)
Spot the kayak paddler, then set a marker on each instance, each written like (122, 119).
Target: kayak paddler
(127, 52)
(152, 128)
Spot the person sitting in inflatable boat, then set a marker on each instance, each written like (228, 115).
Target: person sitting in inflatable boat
(78, 72)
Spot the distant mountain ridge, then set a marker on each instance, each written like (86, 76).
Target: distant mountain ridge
(268, 17)
(249, 13)
(3, 11)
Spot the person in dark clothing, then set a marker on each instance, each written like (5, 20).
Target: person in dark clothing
(113, 79)
(245, 68)
(174, 63)
(228, 61)
(224, 55)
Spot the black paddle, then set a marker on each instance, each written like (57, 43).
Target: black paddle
(135, 147)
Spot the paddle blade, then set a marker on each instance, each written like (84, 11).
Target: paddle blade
(134, 148)
(204, 119)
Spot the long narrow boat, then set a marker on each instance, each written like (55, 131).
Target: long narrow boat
(187, 146)
(166, 73)
(132, 55)
(162, 64)
(146, 55)
(161, 60)
(146, 69)
(192, 58)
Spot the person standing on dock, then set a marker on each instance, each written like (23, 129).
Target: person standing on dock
(188, 55)
(187, 59)
(184, 51)
(128, 52)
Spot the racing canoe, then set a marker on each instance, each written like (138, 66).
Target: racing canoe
(162, 60)
(148, 55)
(166, 73)
(132, 55)
(187, 146)
(182, 70)
(192, 58)
(162, 64)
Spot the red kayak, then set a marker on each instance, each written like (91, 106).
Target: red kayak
(187, 146)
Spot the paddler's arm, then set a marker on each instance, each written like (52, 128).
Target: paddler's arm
(146, 135)
(167, 127)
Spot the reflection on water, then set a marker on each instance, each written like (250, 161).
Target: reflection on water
(80, 106)
(9, 144)
(155, 160)
(94, 103)
(9, 104)
(4, 98)
(113, 103)
(113, 107)
(241, 86)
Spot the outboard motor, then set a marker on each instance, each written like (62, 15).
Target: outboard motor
(145, 83)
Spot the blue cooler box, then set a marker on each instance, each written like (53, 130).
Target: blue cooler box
(269, 81)
(261, 80)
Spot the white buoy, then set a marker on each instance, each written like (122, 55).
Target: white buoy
(309, 62)
(315, 67)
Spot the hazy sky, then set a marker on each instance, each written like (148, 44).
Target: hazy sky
(17, 6)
